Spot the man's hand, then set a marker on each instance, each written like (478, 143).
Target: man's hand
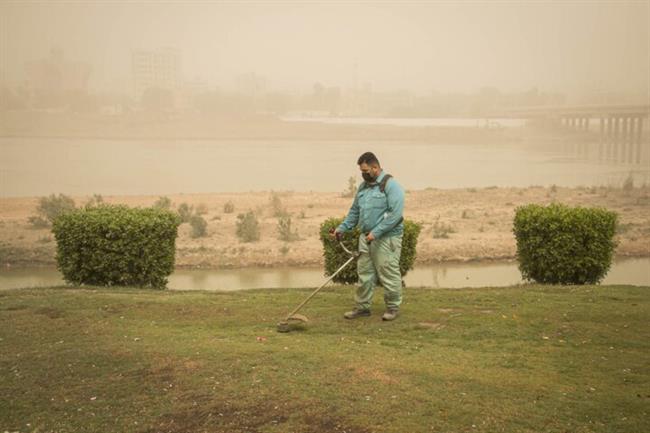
(336, 235)
(370, 237)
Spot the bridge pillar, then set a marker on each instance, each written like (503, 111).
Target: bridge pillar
(601, 142)
(639, 132)
(618, 123)
(607, 138)
(626, 142)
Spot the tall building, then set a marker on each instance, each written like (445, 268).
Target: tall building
(159, 69)
(56, 74)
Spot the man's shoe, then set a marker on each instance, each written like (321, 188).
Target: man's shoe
(390, 314)
(357, 312)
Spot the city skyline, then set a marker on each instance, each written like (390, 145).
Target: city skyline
(569, 48)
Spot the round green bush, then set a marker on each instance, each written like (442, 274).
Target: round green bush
(558, 244)
(335, 256)
(116, 245)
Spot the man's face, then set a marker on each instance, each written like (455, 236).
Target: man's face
(369, 172)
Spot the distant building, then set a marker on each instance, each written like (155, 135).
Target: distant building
(251, 84)
(159, 69)
(55, 75)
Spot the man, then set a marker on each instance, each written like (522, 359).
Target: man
(377, 210)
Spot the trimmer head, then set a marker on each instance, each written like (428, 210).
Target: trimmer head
(285, 325)
(293, 318)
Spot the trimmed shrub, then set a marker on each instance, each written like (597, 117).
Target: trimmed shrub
(112, 245)
(248, 228)
(335, 256)
(199, 226)
(558, 244)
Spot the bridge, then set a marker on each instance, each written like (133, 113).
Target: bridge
(620, 127)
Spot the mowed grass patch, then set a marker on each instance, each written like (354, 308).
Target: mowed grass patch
(519, 359)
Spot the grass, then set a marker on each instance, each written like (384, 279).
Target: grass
(518, 359)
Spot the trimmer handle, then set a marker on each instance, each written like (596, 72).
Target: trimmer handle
(347, 250)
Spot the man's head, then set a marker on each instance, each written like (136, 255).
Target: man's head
(369, 166)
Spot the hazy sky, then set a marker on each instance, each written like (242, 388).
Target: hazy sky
(445, 46)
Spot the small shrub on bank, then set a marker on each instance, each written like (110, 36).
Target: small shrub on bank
(441, 230)
(185, 212)
(335, 256)
(38, 222)
(163, 203)
(199, 226)
(201, 209)
(49, 208)
(285, 231)
(558, 244)
(248, 227)
(352, 188)
(628, 183)
(94, 201)
(277, 207)
(116, 245)
(229, 207)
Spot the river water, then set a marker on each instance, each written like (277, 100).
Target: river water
(627, 271)
(43, 166)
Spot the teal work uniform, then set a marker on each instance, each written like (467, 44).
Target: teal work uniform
(379, 213)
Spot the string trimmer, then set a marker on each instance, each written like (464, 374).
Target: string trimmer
(294, 317)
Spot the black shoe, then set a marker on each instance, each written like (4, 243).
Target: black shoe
(357, 312)
(390, 314)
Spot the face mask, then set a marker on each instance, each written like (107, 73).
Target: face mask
(368, 177)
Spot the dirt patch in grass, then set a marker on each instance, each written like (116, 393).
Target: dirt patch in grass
(430, 325)
(210, 414)
(52, 313)
(375, 374)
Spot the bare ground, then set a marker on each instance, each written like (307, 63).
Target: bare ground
(478, 223)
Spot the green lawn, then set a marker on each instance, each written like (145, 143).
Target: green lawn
(517, 359)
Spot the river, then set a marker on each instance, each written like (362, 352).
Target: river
(43, 166)
(446, 275)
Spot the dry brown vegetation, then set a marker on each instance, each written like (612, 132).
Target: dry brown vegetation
(481, 220)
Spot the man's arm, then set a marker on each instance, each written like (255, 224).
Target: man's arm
(352, 219)
(395, 197)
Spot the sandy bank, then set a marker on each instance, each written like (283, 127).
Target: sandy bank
(480, 221)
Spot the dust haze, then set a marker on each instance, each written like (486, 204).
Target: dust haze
(262, 108)
(572, 48)
(163, 97)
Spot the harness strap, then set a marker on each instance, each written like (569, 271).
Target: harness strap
(382, 184)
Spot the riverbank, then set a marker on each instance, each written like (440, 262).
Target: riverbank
(459, 225)
(515, 359)
(160, 126)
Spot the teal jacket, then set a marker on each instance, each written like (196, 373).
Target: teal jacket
(376, 212)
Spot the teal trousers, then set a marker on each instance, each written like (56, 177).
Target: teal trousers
(378, 263)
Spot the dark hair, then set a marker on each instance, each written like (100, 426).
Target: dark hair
(368, 158)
